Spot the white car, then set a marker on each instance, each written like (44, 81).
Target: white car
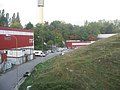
(39, 53)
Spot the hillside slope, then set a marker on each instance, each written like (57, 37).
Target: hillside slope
(96, 67)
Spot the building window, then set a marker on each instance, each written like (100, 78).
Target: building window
(7, 38)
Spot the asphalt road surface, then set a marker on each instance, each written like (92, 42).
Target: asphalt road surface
(9, 80)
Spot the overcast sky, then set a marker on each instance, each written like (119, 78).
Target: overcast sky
(70, 11)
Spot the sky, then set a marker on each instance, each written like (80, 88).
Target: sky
(70, 11)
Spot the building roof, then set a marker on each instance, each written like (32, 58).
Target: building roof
(79, 41)
(15, 29)
(101, 36)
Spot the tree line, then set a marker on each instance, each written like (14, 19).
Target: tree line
(6, 21)
(57, 32)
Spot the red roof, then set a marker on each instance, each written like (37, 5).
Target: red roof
(15, 29)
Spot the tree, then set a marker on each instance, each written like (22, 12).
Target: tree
(84, 35)
(13, 18)
(4, 18)
(29, 26)
(16, 21)
(38, 36)
(57, 38)
(18, 17)
(56, 32)
(16, 25)
(7, 20)
(49, 44)
(109, 29)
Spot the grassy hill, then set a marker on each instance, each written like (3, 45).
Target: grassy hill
(95, 67)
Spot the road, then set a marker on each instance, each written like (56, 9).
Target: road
(9, 80)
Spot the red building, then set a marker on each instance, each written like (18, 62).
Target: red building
(77, 43)
(17, 44)
(15, 38)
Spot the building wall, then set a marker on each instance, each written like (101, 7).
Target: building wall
(15, 38)
(19, 45)
(102, 36)
(77, 43)
(8, 42)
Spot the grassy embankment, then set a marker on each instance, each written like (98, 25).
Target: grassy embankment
(96, 67)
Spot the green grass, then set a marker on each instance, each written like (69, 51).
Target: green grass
(95, 67)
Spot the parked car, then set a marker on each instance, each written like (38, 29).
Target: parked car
(39, 53)
(46, 53)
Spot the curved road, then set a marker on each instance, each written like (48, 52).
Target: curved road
(9, 80)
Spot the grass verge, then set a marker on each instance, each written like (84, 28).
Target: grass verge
(95, 67)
